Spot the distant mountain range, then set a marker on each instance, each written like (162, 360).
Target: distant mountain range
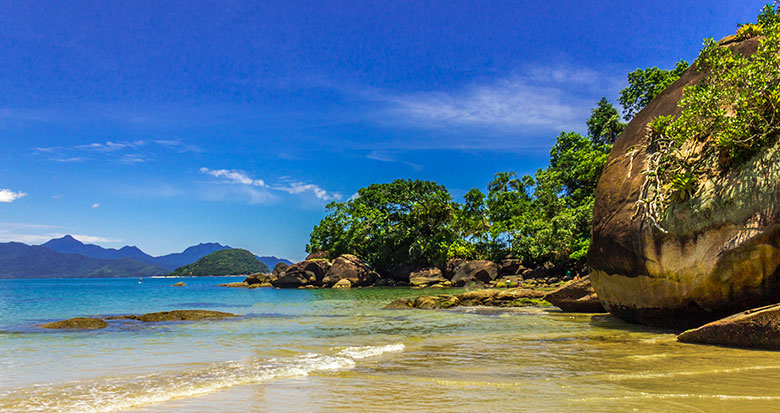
(69, 257)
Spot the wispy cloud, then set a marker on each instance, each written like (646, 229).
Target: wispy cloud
(126, 152)
(537, 100)
(39, 233)
(301, 188)
(7, 195)
(95, 205)
(233, 176)
(259, 189)
(392, 157)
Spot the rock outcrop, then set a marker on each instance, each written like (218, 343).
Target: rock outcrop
(77, 323)
(758, 328)
(716, 255)
(478, 273)
(352, 268)
(576, 297)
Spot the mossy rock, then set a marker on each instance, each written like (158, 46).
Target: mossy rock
(79, 323)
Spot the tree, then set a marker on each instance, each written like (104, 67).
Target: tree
(646, 84)
(604, 125)
(392, 225)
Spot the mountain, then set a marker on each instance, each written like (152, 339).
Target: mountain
(223, 262)
(271, 261)
(189, 255)
(19, 260)
(70, 245)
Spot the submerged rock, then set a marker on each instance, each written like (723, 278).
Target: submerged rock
(235, 285)
(182, 315)
(400, 304)
(576, 297)
(758, 328)
(80, 323)
(716, 254)
(517, 297)
(428, 302)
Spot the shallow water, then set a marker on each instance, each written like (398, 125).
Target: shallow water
(326, 350)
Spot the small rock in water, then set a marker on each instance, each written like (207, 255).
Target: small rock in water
(82, 323)
(236, 285)
(179, 284)
(758, 328)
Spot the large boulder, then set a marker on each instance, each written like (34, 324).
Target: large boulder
(477, 272)
(426, 276)
(352, 268)
(305, 273)
(758, 328)
(259, 278)
(510, 266)
(452, 266)
(716, 254)
(576, 297)
(279, 269)
(296, 279)
(318, 255)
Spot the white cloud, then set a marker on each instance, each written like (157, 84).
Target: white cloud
(178, 145)
(7, 195)
(240, 178)
(233, 176)
(92, 238)
(300, 187)
(392, 157)
(127, 152)
(95, 205)
(514, 110)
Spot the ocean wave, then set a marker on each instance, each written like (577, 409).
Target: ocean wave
(121, 393)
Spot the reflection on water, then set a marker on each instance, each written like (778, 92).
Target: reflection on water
(324, 350)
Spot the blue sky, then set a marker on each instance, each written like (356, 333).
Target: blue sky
(165, 124)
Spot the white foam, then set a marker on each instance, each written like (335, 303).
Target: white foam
(122, 393)
(371, 351)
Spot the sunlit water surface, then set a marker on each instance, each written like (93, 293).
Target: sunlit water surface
(336, 350)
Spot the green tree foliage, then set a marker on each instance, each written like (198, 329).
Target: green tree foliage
(223, 262)
(405, 222)
(646, 84)
(540, 218)
(729, 116)
(604, 125)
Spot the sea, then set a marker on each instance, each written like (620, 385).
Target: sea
(338, 350)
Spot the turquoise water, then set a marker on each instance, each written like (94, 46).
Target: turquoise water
(337, 350)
